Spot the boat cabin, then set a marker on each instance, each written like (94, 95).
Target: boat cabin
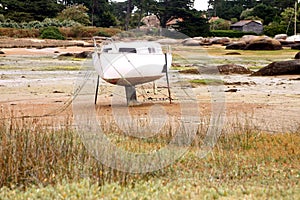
(136, 47)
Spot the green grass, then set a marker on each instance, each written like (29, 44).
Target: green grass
(43, 68)
(60, 68)
(255, 67)
(180, 67)
(6, 67)
(206, 81)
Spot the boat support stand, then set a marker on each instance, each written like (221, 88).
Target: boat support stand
(131, 95)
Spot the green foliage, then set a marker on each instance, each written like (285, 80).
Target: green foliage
(7, 23)
(275, 28)
(77, 13)
(2, 18)
(234, 20)
(106, 19)
(220, 24)
(35, 24)
(104, 33)
(262, 12)
(167, 9)
(20, 16)
(246, 13)
(51, 32)
(193, 24)
(265, 12)
(51, 22)
(229, 33)
(287, 16)
(25, 11)
(207, 81)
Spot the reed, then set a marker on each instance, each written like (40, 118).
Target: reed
(244, 162)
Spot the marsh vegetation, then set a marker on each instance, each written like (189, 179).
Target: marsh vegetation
(37, 161)
(44, 157)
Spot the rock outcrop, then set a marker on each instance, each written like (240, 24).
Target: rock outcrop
(222, 69)
(263, 43)
(289, 67)
(252, 42)
(297, 56)
(233, 69)
(168, 41)
(220, 40)
(280, 37)
(240, 45)
(84, 54)
(191, 42)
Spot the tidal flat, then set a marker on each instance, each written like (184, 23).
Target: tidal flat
(256, 155)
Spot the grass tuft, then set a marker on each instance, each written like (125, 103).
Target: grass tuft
(38, 160)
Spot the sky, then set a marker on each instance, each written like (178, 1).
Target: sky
(199, 4)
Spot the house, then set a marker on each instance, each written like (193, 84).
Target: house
(248, 26)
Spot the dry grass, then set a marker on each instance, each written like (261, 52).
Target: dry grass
(245, 163)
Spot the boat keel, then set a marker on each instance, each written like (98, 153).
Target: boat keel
(131, 96)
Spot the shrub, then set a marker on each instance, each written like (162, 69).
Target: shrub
(77, 31)
(75, 12)
(229, 33)
(103, 33)
(51, 22)
(51, 32)
(220, 24)
(7, 23)
(35, 24)
(2, 18)
(275, 28)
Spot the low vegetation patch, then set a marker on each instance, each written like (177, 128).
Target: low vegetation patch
(229, 33)
(51, 32)
(67, 32)
(59, 68)
(39, 160)
(206, 81)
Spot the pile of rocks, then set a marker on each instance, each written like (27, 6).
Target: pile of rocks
(197, 41)
(252, 42)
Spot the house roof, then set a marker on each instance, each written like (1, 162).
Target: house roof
(174, 21)
(244, 22)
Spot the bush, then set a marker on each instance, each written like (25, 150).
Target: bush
(103, 33)
(229, 33)
(51, 32)
(220, 24)
(275, 28)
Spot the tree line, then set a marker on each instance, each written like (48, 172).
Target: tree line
(276, 14)
(102, 13)
(266, 10)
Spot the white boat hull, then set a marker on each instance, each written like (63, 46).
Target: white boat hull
(131, 68)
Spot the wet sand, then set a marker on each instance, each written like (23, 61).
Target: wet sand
(270, 104)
